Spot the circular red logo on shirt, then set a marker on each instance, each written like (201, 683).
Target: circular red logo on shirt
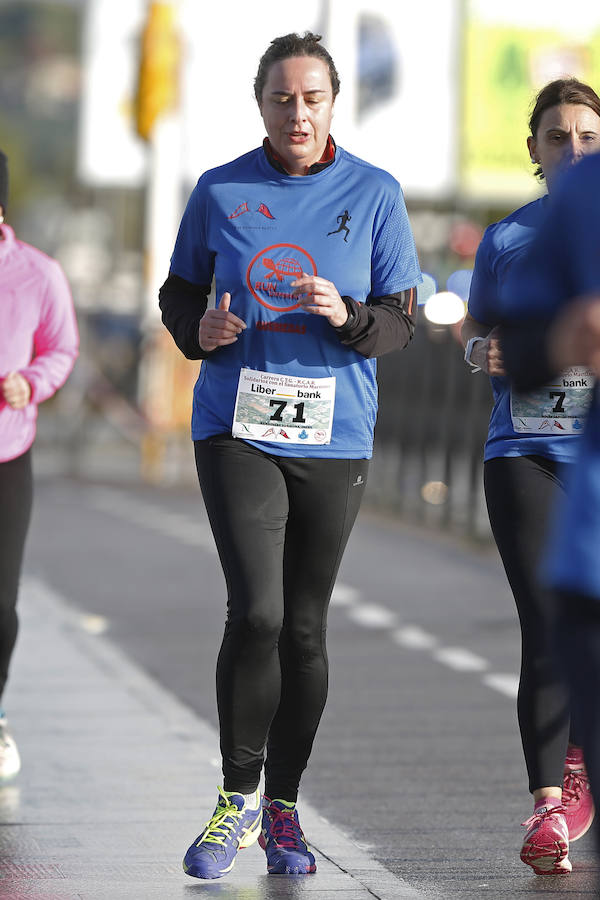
(272, 271)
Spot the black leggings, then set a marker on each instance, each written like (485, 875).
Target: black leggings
(16, 494)
(280, 525)
(521, 493)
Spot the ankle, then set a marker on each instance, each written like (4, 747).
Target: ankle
(548, 801)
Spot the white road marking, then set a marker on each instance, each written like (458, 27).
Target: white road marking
(370, 615)
(93, 624)
(195, 533)
(415, 637)
(461, 660)
(506, 684)
(344, 595)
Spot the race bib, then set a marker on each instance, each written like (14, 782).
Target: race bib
(283, 409)
(557, 408)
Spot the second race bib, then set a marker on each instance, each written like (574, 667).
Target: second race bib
(557, 408)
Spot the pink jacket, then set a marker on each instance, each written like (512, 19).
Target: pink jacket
(38, 334)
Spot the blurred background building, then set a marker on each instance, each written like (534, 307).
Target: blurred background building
(111, 109)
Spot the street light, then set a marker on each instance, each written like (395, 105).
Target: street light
(444, 308)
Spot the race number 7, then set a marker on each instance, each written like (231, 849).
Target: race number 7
(281, 405)
(558, 407)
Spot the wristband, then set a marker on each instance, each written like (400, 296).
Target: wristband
(468, 352)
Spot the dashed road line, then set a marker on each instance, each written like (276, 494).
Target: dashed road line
(415, 637)
(370, 615)
(460, 660)
(506, 684)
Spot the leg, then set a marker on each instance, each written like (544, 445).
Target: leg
(16, 493)
(324, 502)
(520, 494)
(579, 634)
(246, 500)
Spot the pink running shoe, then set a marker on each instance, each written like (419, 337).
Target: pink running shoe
(576, 797)
(546, 844)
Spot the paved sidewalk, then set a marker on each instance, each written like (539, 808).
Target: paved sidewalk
(118, 777)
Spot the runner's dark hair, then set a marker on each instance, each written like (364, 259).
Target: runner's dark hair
(557, 93)
(288, 46)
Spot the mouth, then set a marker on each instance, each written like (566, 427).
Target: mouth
(298, 137)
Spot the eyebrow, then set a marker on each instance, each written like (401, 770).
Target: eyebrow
(566, 130)
(288, 93)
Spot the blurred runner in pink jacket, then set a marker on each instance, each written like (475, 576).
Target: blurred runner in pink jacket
(38, 347)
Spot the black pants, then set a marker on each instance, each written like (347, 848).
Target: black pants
(281, 525)
(521, 493)
(16, 494)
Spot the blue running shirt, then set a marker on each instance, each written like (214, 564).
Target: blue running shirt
(502, 248)
(254, 230)
(564, 263)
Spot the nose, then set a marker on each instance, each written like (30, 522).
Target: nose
(298, 109)
(575, 148)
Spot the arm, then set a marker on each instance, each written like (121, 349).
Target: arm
(56, 339)
(380, 325)
(486, 352)
(197, 331)
(182, 305)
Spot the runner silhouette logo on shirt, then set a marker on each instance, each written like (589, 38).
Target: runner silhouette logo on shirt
(343, 219)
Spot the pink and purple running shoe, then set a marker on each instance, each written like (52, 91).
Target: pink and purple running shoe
(546, 844)
(576, 797)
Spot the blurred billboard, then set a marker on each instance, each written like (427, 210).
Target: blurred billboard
(398, 79)
(511, 50)
(437, 92)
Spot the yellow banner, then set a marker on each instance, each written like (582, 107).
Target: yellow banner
(504, 68)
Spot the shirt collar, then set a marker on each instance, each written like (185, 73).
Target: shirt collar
(325, 161)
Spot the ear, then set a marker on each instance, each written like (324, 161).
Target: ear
(532, 147)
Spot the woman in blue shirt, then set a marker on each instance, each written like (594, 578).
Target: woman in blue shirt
(315, 272)
(555, 309)
(531, 438)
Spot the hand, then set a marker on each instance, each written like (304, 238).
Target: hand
(321, 297)
(219, 327)
(574, 337)
(487, 354)
(16, 390)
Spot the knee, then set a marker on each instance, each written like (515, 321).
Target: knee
(303, 640)
(254, 627)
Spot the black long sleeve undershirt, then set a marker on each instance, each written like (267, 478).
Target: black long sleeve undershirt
(379, 326)
(182, 305)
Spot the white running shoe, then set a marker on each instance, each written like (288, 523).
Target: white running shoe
(10, 761)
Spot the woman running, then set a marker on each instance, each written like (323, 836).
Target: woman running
(38, 347)
(531, 438)
(555, 307)
(283, 417)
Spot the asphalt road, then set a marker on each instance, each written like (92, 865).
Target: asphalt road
(418, 756)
